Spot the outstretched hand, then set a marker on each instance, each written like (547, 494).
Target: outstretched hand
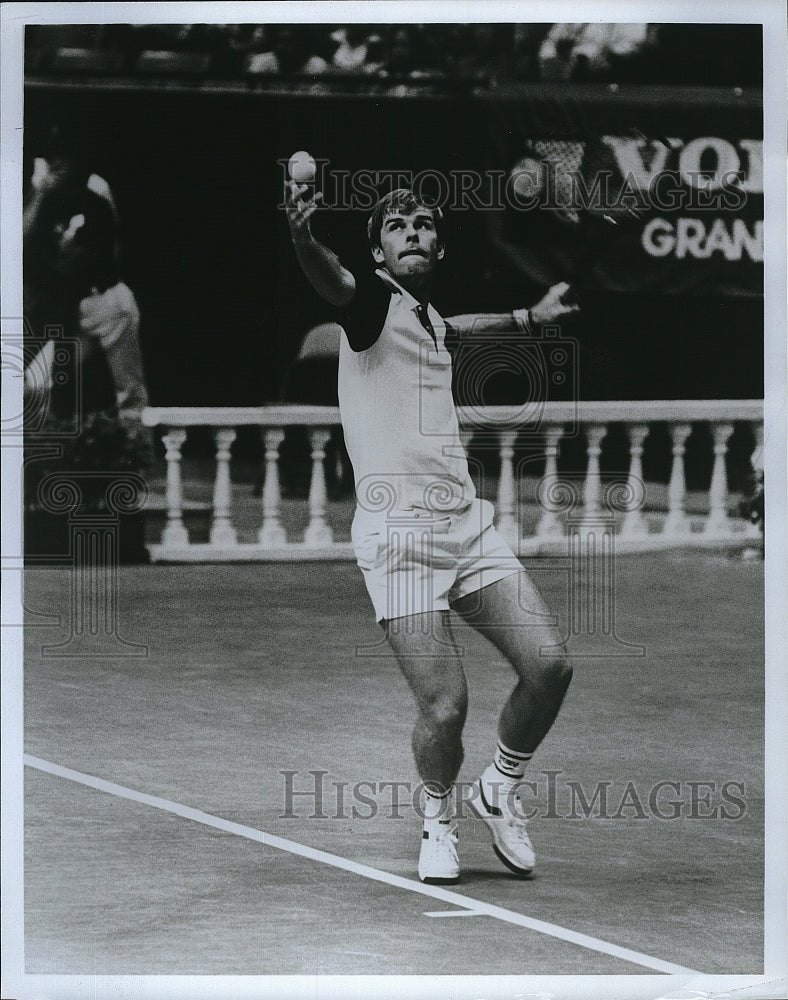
(552, 306)
(300, 207)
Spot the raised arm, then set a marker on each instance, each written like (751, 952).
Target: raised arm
(549, 309)
(322, 267)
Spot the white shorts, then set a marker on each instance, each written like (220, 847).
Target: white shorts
(417, 561)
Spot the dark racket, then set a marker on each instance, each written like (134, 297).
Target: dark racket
(585, 190)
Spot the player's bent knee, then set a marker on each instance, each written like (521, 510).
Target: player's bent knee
(555, 671)
(446, 715)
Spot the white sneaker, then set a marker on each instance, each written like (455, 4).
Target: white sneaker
(438, 861)
(510, 837)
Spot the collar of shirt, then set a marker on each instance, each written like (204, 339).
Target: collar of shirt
(409, 300)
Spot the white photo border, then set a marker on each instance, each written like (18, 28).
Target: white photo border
(772, 15)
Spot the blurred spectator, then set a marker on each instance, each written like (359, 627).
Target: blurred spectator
(71, 281)
(294, 51)
(69, 229)
(376, 55)
(110, 320)
(359, 49)
(555, 53)
(239, 41)
(683, 54)
(574, 51)
(639, 63)
(604, 45)
(526, 43)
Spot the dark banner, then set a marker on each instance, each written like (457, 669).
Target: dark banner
(197, 178)
(632, 194)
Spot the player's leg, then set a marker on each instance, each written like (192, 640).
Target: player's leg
(513, 616)
(430, 662)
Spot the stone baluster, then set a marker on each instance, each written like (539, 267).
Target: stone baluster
(634, 524)
(271, 532)
(175, 534)
(549, 524)
(593, 484)
(222, 531)
(677, 522)
(318, 532)
(507, 493)
(718, 522)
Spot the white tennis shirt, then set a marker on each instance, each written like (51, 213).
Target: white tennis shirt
(395, 398)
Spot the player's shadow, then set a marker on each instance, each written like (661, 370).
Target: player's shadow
(473, 875)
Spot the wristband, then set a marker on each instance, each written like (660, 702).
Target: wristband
(522, 318)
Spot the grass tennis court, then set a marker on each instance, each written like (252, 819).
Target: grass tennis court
(253, 670)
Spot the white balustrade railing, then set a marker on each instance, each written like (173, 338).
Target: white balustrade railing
(580, 498)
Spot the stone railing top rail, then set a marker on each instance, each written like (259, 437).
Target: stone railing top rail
(284, 415)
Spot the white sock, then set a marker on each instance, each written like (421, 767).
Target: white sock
(504, 774)
(437, 806)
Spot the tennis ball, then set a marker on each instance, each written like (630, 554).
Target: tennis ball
(302, 167)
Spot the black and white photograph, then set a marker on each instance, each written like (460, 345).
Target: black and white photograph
(296, 297)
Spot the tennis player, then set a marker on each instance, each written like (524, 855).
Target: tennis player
(424, 541)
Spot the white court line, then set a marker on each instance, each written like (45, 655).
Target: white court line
(433, 891)
(455, 913)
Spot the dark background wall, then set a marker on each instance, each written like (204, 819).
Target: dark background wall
(205, 248)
